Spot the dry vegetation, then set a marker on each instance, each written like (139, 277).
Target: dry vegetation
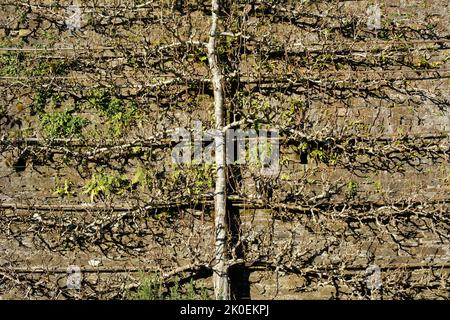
(85, 145)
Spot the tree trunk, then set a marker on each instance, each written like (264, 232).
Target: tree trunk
(220, 269)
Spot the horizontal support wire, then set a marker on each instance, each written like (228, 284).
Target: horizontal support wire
(330, 269)
(349, 45)
(235, 200)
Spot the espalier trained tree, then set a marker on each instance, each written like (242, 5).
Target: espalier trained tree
(354, 93)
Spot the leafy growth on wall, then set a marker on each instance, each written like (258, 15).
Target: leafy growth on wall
(62, 125)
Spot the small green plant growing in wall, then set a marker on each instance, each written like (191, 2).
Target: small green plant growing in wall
(62, 124)
(352, 189)
(104, 184)
(119, 113)
(140, 178)
(318, 155)
(103, 102)
(65, 190)
(45, 68)
(154, 288)
(121, 120)
(11, 64)
(39, 101)
(194, 180)
(378, 187)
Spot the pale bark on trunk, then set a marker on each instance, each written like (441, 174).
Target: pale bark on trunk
(220, 269)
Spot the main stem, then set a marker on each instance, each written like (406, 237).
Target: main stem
(220, 269)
